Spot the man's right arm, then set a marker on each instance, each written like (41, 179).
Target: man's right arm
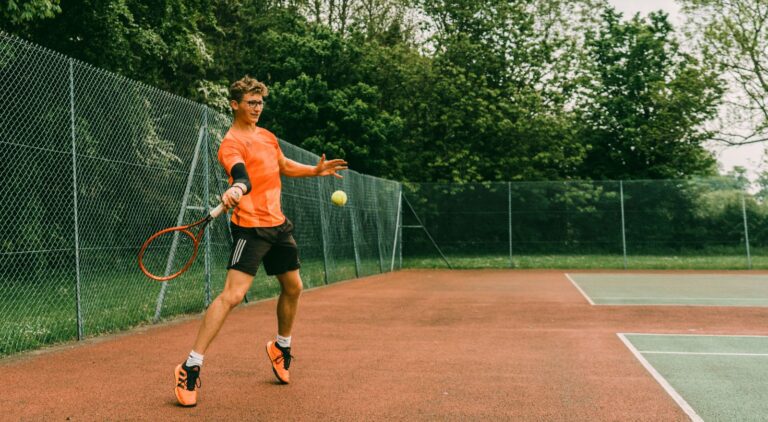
(231, 159)
(240, 177)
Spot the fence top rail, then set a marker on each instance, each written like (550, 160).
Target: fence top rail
(713, 179)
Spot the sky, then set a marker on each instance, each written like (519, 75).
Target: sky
(748, 156)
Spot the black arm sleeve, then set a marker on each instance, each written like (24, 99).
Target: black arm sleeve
(239, 175)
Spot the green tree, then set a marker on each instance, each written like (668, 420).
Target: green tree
(762, 183)
(495, 103)
(157, 42)
(733, 36)
(17, 13)
(643, 102)
(374, 19)
(740, 179)
(324, 95)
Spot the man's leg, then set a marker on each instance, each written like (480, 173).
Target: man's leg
(235, 288)
(287, 304)
(187, 374)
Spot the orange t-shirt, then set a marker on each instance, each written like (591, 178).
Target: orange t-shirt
(259, 151)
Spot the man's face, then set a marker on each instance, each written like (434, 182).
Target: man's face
(249, 108)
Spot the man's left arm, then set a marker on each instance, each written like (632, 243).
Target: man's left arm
(291, 168)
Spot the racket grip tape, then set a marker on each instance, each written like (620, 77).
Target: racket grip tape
(217, 211)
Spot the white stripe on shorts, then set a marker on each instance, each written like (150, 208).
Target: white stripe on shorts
(238, 251)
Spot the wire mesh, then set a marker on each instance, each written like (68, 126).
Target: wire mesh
(656, 223)
(37, 288)
(94, 163)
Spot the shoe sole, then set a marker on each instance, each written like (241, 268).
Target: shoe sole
(273, 366)
(176, 391)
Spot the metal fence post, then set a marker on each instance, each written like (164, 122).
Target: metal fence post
(397, 231)
(746, 229)
(323, 225)
(377, 210)
(354, 241)
(79, 310)
(179, 220)
(509, 213)
(400, 230)
(423, 227)
(207, 206)
(623, 225)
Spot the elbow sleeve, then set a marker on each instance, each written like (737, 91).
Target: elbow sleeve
(239, 175)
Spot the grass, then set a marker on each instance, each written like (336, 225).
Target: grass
(638, 262)
(41, 310)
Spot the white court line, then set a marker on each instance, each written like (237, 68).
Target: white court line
(663, 382)
(579, 289)
(687, 305)
(659, 352)
(763, 299)
(693, 335)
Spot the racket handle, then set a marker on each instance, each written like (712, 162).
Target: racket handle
(217, 211)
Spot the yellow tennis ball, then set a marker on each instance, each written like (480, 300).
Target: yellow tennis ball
(339, 198)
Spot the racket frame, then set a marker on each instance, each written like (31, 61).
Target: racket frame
(185, 230)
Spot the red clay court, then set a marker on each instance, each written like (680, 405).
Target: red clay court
(409, 345)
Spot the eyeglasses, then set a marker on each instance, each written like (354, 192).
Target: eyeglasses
(255, 103)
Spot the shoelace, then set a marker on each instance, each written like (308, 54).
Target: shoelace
(286, 357)
(190, 382)
(196, 384)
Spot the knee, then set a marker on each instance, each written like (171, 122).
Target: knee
(293, 289)
(231, 298)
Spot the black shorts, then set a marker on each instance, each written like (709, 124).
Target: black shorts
(275, 246)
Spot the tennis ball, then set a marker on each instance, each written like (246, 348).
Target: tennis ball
(339, 198)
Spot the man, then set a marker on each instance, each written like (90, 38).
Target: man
(252, 158)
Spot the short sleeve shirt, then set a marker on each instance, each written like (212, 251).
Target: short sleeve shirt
(260, 152)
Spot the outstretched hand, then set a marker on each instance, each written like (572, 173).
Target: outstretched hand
(331, 167)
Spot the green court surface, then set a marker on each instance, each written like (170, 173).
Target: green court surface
(672, 289)
(712, 378)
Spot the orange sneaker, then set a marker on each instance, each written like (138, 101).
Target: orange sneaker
(187, 379)
(281, 360)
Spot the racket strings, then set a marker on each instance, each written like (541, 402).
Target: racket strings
(168, 253)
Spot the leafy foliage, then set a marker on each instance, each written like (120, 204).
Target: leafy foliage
(18, 12)
(643, 102)
(732, 35)
(423, 90)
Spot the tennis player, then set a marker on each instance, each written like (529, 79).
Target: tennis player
(252, 158)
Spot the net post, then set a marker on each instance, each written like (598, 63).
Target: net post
(179, 221)
(623, 225)
(509, 213)
(78, 302)
(746, 229)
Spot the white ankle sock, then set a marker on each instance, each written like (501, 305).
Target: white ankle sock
(194, 359)
(283, 341)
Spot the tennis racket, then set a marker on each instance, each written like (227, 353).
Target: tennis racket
(170, 252)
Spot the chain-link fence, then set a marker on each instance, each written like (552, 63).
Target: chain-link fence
(703, 223)
(93, 163)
